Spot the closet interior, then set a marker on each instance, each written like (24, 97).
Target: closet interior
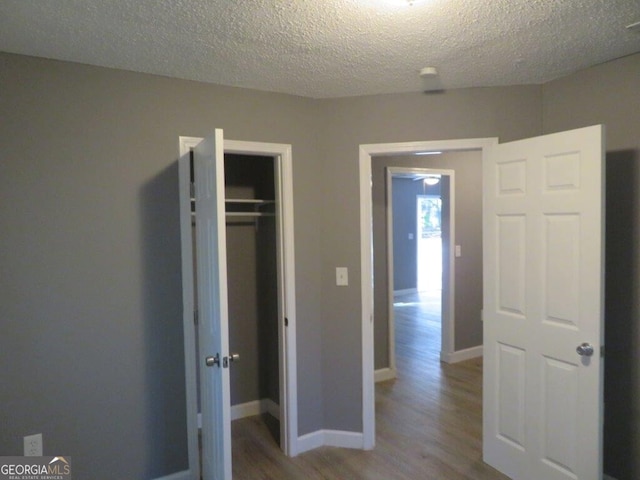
(252, 282)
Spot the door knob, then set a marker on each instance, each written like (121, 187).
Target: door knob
(211, 361)
(585, 349)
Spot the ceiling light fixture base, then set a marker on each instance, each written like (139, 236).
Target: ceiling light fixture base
(428, 72)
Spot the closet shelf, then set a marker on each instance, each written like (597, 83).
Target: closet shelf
(244, 214)
(253, 201)
(249, 214)
(245, 202)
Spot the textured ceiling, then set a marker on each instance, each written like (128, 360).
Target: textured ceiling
(328, 48)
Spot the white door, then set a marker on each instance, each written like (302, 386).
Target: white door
(213, 321)
(543, 299)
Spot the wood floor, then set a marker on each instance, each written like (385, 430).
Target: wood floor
(428, 420)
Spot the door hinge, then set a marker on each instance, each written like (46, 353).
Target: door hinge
(286, 322)
(195, 317)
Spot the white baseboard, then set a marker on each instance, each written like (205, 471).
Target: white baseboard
(406, 291)
(249, 409)
(257, 407)
(310, 441)
(384, 374)
(271, 407)
(184, 475)
(338, 438)
(330, 438)
(461, 355)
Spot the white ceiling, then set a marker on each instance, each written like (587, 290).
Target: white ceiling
(328, 48)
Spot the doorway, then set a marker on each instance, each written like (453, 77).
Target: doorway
(557, 180)
(429, 241)
(278, 226)
(367, 154)
(419, 220)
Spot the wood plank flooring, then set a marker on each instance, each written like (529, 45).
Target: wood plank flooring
(429, 420)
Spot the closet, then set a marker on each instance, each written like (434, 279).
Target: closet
(238, 284)
(252, 283)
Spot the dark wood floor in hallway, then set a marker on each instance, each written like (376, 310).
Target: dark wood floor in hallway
(429, 420)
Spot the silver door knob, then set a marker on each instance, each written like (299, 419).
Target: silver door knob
(211, 361)
(234, 357)
(585, 349)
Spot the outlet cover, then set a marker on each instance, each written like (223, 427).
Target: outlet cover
(33, 445)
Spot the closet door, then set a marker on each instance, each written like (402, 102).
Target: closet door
(213, 321)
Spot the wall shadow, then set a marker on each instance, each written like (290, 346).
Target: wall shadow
(621, 315)
(166, 422)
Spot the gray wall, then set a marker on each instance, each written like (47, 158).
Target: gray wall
(610, 94)
(90, 290)
(405, 252)
(468, 226)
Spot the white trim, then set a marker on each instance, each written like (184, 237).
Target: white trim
(247, 409)
(366, 258)
(271, 407)
(184, 475)
(405, 291)
(366, 286)
(384, 374)
(461, 355)
(330, 438)
(256, 407)
(391, 331)
(342, 439)
(310, 441)
(282, 154)
(188, 309)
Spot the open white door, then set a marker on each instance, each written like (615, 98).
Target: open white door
(543, 306)
(213, 322)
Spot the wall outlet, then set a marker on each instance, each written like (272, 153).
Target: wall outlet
(33, 445)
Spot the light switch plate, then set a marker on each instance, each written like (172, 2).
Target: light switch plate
(342, 276)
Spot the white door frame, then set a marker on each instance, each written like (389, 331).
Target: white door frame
(368, 151)
(448, 288)
(286, 265)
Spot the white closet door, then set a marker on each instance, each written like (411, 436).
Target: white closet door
(213, 326)
(543, 306)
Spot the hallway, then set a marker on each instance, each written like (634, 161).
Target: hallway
(429, 420)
